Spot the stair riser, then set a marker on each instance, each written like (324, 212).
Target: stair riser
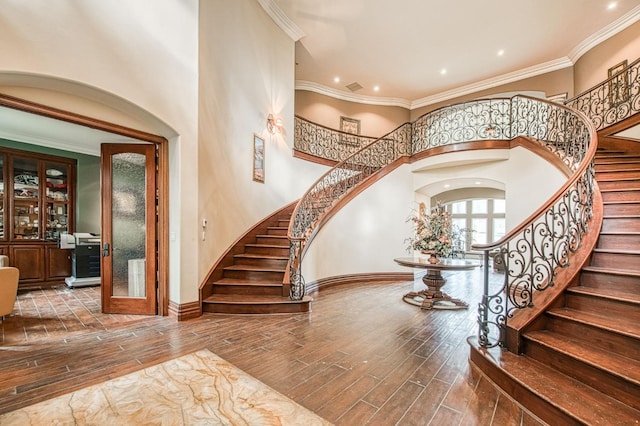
(621, 225)
(247, 290)
(283, 223)
(277, 231)
(604, 339)
(617, 260)
(622, 195)
(600, 306)
(260, 276)
(618, 168)
(264, 262)
(619, 184)
(622, 242)
(618, 209)
(275, 241)
(625, 391)
(620, 174)
(284, 308)
(610, 282)
(617, 159)
(272, 251)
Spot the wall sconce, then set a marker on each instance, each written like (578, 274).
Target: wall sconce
(274, 125)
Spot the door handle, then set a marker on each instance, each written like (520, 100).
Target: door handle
(105, 250)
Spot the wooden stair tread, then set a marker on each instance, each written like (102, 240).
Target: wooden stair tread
(278, 246)
(606, 294)
(239, 282)
(618, 271)
(252, 300)
(608, 203)
(584, 403)
(282, 237)
(615, 178)
(616, 251)
(614, 364)
(621, 190)
(614, 325)
(256, 268)
(260, 256)
(621, 216)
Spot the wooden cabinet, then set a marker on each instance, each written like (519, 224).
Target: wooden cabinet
(37, 205)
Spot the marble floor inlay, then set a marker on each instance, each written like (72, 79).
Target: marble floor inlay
(199, 388)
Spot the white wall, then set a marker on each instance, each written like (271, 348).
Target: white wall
(367, 234)
(246, 73)
(118, 58)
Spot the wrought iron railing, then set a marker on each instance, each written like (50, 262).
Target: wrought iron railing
(333, 186)
(323, 142)
(534, 252)
(613, 100)
(488, 119)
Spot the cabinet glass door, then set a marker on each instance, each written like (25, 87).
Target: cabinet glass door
(2, 202)
(26, 208)
(57, 200)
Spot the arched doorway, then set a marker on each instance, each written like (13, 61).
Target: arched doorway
(162, 219)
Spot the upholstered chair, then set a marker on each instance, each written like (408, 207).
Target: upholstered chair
(8, 289)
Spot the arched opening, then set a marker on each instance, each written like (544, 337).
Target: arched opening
(60, 99)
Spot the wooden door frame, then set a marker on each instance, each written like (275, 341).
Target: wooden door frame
(162, 178)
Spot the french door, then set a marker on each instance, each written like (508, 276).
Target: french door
(128, 261)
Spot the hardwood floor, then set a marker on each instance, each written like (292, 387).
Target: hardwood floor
(362, 356)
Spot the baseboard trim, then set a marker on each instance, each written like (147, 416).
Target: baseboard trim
(185, 311)
(358, 278)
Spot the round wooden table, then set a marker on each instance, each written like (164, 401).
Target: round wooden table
(433, 297)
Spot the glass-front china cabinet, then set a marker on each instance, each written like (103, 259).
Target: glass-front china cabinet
(36, 206)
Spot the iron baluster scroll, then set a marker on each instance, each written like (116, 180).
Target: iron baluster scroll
(334, 185)
(613, 100)
(320, 141)
(534, 251)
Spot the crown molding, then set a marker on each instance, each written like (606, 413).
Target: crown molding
(351, 97)
(440, 97)
(532, 71)
(607, 32)
(282, 20)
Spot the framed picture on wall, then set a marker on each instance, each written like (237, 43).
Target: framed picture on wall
(618, 84)
(352, 127)
(258, 158)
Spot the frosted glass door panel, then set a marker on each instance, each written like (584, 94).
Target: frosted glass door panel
(128, 224)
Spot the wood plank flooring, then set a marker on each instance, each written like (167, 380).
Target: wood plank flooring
(362, 356)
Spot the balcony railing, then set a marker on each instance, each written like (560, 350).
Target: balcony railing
(334, 185)
(613, 100)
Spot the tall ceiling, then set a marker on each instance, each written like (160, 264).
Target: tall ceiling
(403, 46)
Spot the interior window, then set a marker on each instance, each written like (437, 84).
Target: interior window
(482, 219)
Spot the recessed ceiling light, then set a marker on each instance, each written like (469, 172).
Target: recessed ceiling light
(612, 5)
(446, 185)
(500, 52)
(336, 79)
(443, 71)
(376, 88)
(478, 182)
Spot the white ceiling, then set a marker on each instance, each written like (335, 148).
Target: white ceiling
(403, 45)
(35, 129)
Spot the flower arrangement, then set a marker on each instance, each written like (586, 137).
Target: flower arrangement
(433, 231)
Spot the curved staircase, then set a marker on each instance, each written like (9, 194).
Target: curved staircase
(249, 277)
(581, 359)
